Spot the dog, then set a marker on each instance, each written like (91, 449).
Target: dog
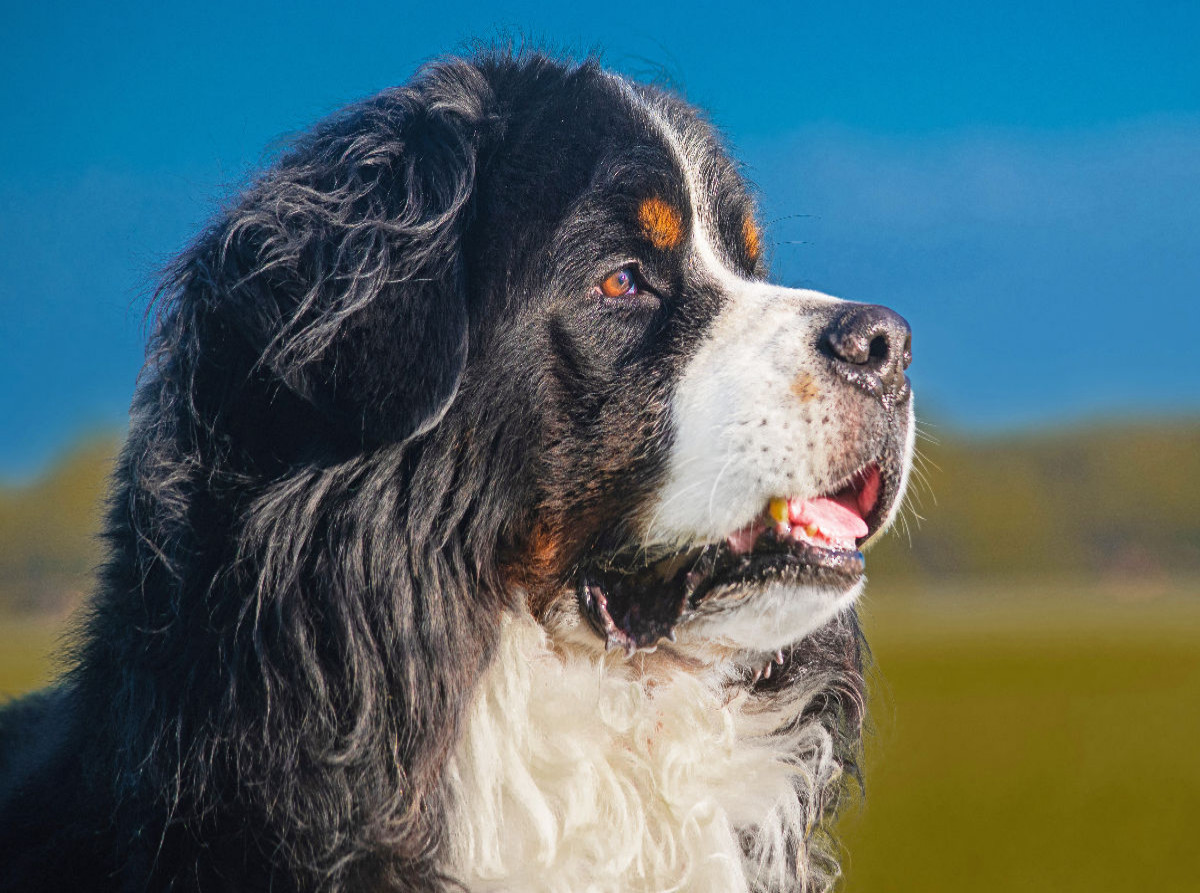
(487, 521)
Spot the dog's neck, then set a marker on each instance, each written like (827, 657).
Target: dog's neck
(574, 773)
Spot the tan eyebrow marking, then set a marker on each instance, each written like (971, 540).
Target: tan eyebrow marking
(661, 222)
(751, 238)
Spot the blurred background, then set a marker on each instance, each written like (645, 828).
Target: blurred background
(1021, 181)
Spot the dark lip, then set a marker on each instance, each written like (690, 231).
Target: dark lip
(637, 607)
(730, 577)
(634, 600)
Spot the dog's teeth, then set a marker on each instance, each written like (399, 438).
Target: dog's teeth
(757, 675)
(779, 657)
(767, 671)
(778, 509)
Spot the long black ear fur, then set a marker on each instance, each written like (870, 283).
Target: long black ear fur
(351, 248)
(274, 670)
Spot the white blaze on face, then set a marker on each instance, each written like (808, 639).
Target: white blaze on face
(756, 414)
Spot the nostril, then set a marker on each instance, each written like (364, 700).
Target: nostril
(879, 350)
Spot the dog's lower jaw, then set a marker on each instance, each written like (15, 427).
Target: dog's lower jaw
(774, 617)
(573, 773)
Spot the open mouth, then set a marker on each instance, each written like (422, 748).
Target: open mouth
(636, 601)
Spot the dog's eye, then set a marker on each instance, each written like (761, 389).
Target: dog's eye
(621, 283)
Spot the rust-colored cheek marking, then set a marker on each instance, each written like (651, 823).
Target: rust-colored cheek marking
(537, 568)
(661, 223)
(752, 238)
(804, 388)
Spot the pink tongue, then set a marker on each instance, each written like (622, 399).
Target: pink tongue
(834, 519)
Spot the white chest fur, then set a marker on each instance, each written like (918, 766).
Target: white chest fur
(573, 776)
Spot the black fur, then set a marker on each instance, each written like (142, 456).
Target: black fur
(375, 388)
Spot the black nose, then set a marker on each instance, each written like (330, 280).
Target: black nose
(871, 347)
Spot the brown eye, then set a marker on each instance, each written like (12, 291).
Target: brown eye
(620, 284)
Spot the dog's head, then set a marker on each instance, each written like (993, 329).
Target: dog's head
(684, 455)
(554, 280)
(498, 340)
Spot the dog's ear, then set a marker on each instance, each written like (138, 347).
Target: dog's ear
(341, 268)
(331, 633)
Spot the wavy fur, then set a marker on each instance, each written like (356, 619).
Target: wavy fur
(574, 776)
(260, 686)
(355, 473)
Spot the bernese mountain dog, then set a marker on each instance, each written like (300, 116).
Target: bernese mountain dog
(487, 521)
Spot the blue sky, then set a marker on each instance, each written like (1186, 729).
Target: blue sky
(1022, 181)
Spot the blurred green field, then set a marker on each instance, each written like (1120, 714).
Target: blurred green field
(28, 644)
(1029, 737)
(1037, 737)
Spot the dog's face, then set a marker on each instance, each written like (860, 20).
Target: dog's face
(702, 454)
(539, 292)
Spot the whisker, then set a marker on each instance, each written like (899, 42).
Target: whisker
(776, 220)
(716, 481)
(644, 546)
